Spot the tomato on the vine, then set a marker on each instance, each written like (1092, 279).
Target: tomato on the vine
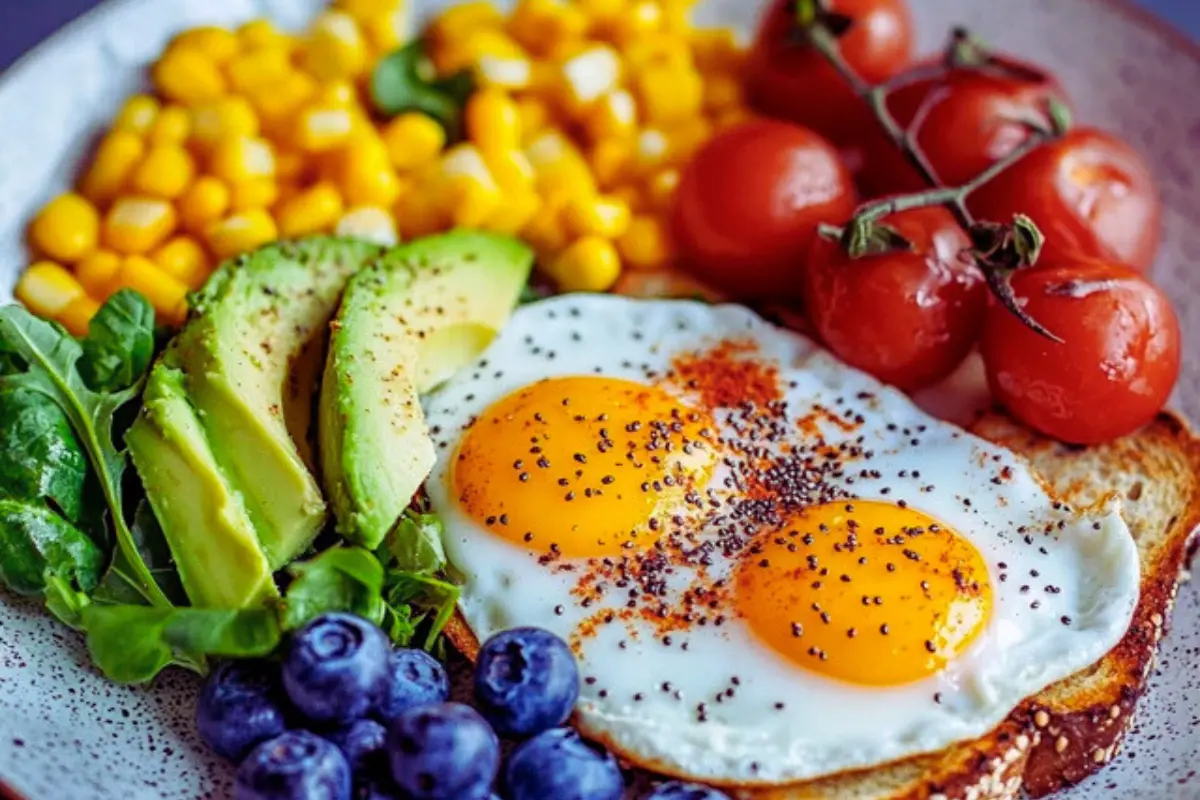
(749, 203)
(1089, 192)
(787, 79)
(965, 121)
(1116, 365)
(908, 317)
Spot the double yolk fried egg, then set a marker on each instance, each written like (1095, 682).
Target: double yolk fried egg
(770, 566)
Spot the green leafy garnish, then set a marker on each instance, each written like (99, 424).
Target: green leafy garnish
(43, 460)
(431, 600)
(415, 544)
(405, 81)
(340, 579)
(36, 545)
(120, 343)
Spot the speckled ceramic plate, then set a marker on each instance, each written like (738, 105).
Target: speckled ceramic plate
(67, 734)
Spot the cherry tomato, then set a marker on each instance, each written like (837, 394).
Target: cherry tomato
(748, 206)
(1116, 366)
(907, 317)
(787, 79)
(968, 119)
(1089, 192)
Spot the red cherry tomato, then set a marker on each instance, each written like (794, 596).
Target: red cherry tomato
(789, 80)
(748, 206)
(1089, 192)
(969, 119)
(907, 317)
(1116, 366)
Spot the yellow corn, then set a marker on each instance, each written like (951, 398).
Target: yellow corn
(138, 224)
(559, 166)
(517, 210)
(456, 22)
(240, 158)
(652, 149)
(660, 189)
(469, 192)
(510, 168)
(540, 25)
(338, 93)
(66, 229)
(254, 193)
(187, 75)
(385, 30)
(614, 116)
(716, 49)
(367, 179)
(184, 259)
(226, 118)
(218, 44)
(721, 91)
(658, 49)
(372, 223)
(335, 47)
(258, 69)
(137, 115)
(590, 264)
(166, 171)
(416, 216)
(203, 204)
(261, 34)
(290, 165)
(533, 116)
(278, 103)
(545, 231)
(321, 128)
(365, 8)
(641, 18)
(118, 154)
(47, 288)
(604, 216)
(77, 316)
(647, 243)
(476, 46)
(629, 194)
(312, 211)
(172, 126)
(413, 140)
(98, 273)
(602, 12)
(590, 75)
(493, 122)
(241, 233)
(670, 94)
(166, 293)
(611, 162)
(685, 138)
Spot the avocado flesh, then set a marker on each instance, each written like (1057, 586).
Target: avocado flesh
(215, 546)
(404, 326)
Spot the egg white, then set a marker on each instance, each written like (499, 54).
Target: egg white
(643, 698)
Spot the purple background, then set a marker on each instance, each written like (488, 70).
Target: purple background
(23, 23)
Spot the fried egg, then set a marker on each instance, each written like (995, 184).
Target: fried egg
(770, 566)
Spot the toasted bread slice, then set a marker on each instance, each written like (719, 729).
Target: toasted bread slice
(1074, 727)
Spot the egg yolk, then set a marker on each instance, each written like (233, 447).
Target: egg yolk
(582, 466)
(865, 592)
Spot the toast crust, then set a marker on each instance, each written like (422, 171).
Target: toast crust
(1071, 729)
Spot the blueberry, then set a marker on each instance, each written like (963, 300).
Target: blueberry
(414, 678)
(560, 765)
(678, 790)
(526, 681)
(336, 668)
(443, 752)
(361, 742)
(295, 766)
(240, 705)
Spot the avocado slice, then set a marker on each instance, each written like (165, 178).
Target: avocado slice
(203, 518)
(404, 326)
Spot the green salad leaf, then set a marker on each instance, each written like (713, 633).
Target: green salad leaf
(120, 343)
(415, 543)
(431, 600)
(43, 460)
(346, 579)
(405, 81)
(36, 545)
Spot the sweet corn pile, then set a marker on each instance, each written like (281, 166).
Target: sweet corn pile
(583, 114)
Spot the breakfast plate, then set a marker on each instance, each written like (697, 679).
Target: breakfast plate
(67, 732)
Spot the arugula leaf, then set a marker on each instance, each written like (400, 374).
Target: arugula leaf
(398, 624)
(36, 544)
(42, 458)
(132, 644)
(415, 543)
(434, 597)
(405, 81)
(340, 579)
(65, 602)
(120, 343)
(53, 371)
(156, 553)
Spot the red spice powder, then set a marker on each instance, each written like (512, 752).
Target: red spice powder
(726, 376)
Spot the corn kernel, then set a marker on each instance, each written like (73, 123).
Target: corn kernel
(278, 103)
(559, 166)
(685, 138)
(370, 223)
(205, 202)
(602, 11)
(240, 158)
(517, 210)
(413, 140)
(253, 193)
(658, 50)
(493, 122)
(241, 233)
(546, 232)
(590, 264)
(660, 189)
(505, 72)
(138, 224)
(721, 91)
(716, 50)
(119, 153)
(590, 75)
(643, 17)
(310, 212)
(629, 194)
(416, 216)
(611, 161)
(469, 191)
(172, 126)
(258, 69)
(510, 168)
(533, 116)
(261, 34)
(475, 46)
(647, 243)
(166, 293)
(218, 44)
(77, 316)
(365, 8)
(47, 288)
(166, 172)
(388, 30)
(367, 180)
(541, 24)
(291, 165)
(226, 118)
(669, 94)
(97, 273)
(603, 216)
(66, 229)
(322, 128)
(456, 22)
(186, 75)
(137, 115)
(184, 259)
(335, 47)
(651, 150)
(614, 116)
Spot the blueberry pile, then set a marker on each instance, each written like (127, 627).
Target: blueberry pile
(346, 717)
